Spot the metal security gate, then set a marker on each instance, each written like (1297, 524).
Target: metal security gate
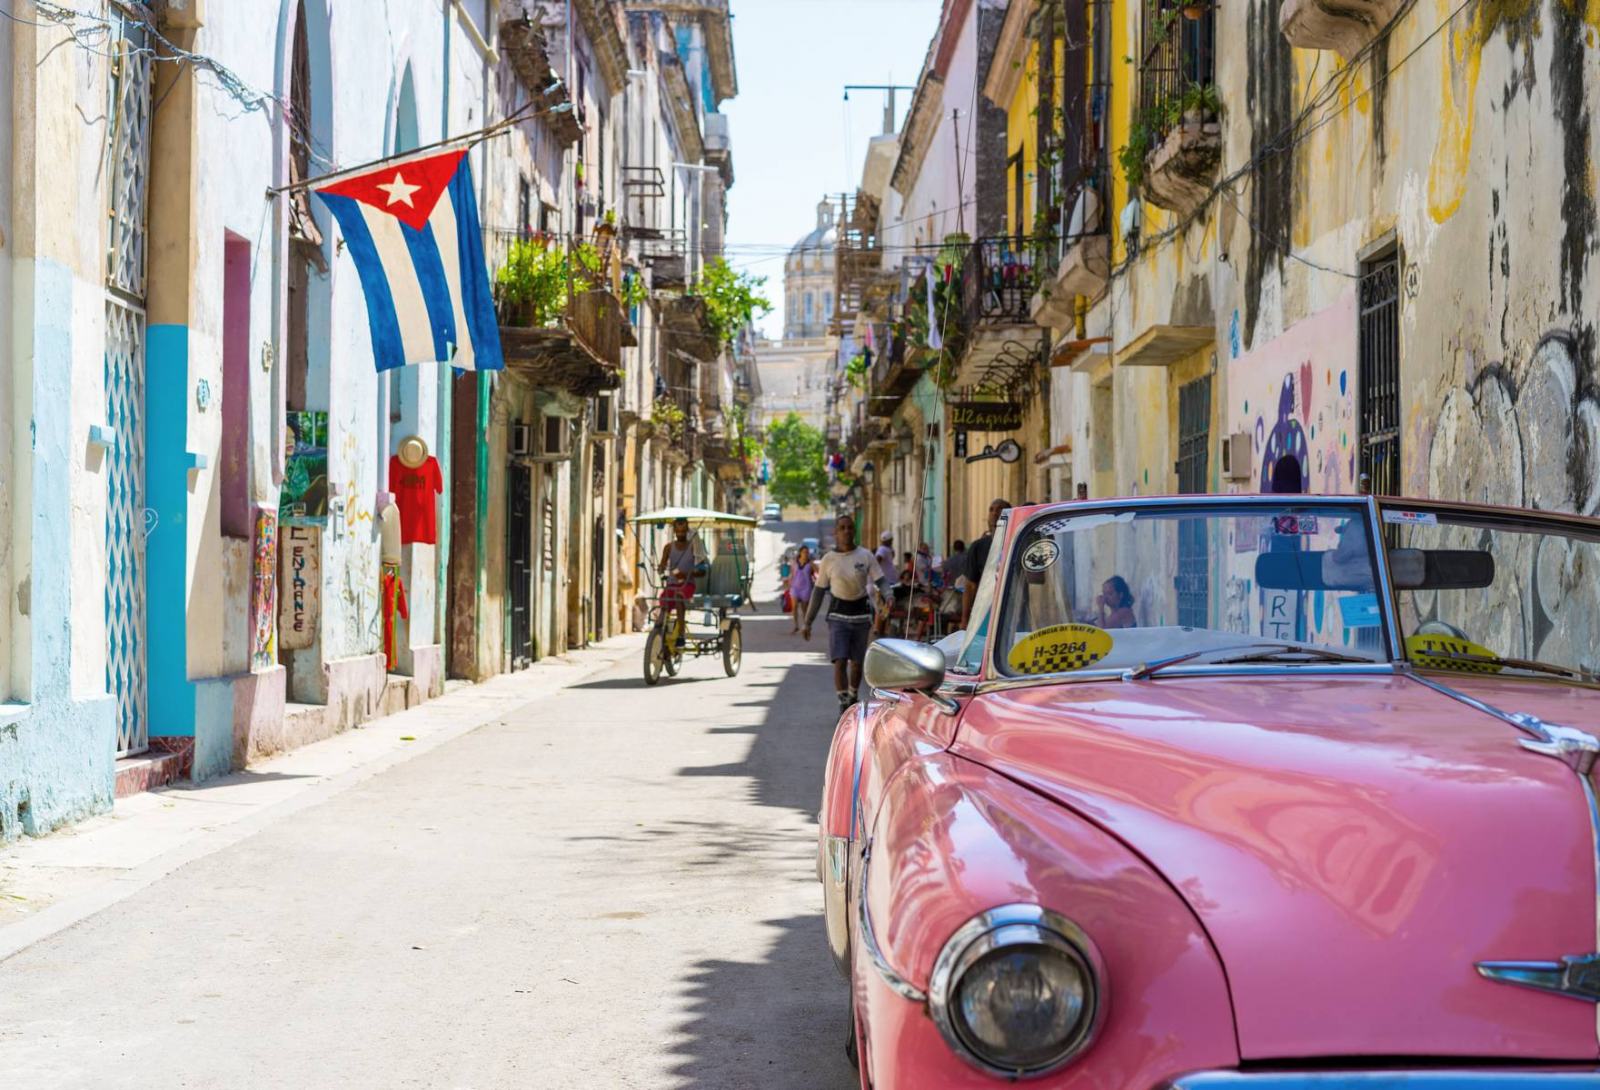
(127, 518)
(1379, 374)
(519, 563)
(1194, 460)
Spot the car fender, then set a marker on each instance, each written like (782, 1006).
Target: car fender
(952, 839)
(836, 825)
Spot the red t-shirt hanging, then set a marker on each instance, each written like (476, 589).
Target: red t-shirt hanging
(414, 491)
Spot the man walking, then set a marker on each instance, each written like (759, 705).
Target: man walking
(978, 558)
(850, 574)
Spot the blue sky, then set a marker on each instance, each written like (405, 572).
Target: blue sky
(795, 139)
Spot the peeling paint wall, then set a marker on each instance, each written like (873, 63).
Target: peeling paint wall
(1465, 136)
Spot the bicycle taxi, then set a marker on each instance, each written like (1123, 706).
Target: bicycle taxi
(721, 585)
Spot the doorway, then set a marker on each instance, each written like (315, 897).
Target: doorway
(519, 564)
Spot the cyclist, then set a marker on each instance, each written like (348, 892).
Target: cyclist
(683, 558)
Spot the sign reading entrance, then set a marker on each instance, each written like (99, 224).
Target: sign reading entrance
(299, 586)
(985, 416)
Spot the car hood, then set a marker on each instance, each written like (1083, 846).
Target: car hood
(1352, 846)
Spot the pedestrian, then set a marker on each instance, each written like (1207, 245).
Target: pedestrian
(850, 574)
(955, 564)
(885, 558)
(800, 585)
(922, 574)
(683, 558)
(978, 557)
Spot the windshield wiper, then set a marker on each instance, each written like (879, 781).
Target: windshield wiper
(1266, 652)
(1276, 653)
(1531, 665)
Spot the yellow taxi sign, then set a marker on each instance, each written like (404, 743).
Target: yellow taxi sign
(1434, 652)
(1059, 648)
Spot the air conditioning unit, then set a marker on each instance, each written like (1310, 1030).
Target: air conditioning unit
(555, 439)
(521, 440)
(605, 413)
(1236, 456)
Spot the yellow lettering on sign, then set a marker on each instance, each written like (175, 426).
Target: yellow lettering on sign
(1059, 649)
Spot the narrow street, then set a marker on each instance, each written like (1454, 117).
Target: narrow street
(610, 887)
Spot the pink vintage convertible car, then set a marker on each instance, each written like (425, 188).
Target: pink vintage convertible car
(1257, 791)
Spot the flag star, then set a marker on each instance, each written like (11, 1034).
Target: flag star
(399, 190)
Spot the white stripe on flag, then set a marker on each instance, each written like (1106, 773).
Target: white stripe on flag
(416, 331)
(443, 220)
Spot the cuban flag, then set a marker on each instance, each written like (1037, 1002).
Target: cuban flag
(412, 229)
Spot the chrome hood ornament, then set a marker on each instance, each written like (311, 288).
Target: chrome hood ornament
(1573, 977)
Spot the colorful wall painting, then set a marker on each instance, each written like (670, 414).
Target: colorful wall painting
(1295, 396)
(304, 499)
(264, 591)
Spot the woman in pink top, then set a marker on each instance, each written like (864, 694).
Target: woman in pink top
(801, 583)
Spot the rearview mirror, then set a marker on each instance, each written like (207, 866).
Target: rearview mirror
(1441, 569)
(904, 666)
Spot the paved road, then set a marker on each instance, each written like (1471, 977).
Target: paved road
(611, 888)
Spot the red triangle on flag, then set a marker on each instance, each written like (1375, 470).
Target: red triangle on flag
(407, 190)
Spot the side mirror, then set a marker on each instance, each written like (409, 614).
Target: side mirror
(904, 666)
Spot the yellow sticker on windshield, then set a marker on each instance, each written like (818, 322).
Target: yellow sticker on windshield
(1060, 648)
(1450, 653)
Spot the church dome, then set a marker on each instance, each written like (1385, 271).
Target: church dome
(824, 237)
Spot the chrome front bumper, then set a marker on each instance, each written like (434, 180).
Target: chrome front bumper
(1522, 1078)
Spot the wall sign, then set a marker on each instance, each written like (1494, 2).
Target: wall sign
(985, 416)
(300, 586)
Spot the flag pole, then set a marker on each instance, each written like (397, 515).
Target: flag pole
(466, 139)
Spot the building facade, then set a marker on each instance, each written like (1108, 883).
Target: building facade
(1264, 247)
(200, 456)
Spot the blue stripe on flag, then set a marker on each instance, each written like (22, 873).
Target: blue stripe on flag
(387, 350)
(477, 301)
(435, 288)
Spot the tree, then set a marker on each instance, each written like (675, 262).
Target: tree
(798, 455)
(733, 299)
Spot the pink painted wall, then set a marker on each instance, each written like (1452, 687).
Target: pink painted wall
(1296, 395)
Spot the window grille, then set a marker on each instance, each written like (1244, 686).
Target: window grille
(1194, 460)
(1378, 379)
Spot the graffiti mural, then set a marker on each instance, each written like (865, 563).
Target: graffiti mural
(1525, 435)
(264, 591)
(1295, 397)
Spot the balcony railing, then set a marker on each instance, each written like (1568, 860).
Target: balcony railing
(997, 285)
(1179, 57)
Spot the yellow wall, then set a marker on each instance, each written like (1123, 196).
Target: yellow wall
(1022, 129)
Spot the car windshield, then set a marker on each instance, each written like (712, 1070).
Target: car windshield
(1496, 593)
(1290, 584)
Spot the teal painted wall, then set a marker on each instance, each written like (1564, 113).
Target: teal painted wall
(166, 489)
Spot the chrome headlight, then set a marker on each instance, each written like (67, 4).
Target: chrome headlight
(1015, 991)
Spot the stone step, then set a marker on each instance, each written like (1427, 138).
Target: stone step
(167, 761)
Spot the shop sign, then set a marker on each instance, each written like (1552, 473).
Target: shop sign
(985, 416)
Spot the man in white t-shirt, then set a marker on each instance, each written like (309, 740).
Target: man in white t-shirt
(850, 574)
(885, 558)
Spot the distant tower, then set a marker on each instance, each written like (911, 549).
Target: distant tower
(808, 280)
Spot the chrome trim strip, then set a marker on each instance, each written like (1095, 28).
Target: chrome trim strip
(1008, 925)
(1376, 669)
(1380, 552)
(855, 777)
(1574, 978)
(869, 943)
(835, 867)
(1530, 1078)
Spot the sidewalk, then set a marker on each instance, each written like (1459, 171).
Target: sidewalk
(52, 883)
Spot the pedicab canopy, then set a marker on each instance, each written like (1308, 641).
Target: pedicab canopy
(697, 516)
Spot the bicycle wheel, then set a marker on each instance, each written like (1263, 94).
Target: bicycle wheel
(653, 657)
(732, 650)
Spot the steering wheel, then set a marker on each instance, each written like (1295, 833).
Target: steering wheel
(1441, 628)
